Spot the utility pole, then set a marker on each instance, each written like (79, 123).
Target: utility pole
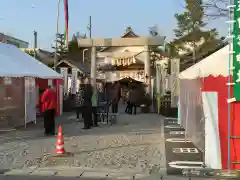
(90, 27)
(35, 39)
(35, 43)
(57, 22)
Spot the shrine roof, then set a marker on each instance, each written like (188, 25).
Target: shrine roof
(73, 64)
(128, 34)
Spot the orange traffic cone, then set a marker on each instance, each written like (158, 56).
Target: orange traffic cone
(60, 143)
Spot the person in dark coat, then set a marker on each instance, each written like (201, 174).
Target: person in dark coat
(87, 104)
(94, 106)
(115, 96)
(79, 101)
(133, 98)
(128, 107)
(136, 96)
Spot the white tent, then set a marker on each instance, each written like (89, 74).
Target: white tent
(204, 109)
(15, 63)
(18, 73)
(215, 64)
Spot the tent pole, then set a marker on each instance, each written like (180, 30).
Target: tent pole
(57, 32)
(185, 136)
(25, 104)
(229, 88)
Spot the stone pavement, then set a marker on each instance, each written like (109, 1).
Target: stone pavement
(133, 147)
(24, 177)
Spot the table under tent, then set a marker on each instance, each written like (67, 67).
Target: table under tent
(19, 76)
(204, 110)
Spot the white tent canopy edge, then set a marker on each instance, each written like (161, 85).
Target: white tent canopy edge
(15, 63)
(216, 64)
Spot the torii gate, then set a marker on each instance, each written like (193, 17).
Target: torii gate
(122, 42)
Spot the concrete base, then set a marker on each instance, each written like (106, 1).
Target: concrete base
(66, 154)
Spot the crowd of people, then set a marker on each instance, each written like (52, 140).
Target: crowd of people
(135, 97)
(87, 101)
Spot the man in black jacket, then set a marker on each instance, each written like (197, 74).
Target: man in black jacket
(115, 96)
(87, 104)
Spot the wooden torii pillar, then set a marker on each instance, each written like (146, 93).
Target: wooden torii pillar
(122, 42)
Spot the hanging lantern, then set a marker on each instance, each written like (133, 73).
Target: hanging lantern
(134, 60)
(121, 62)
(124, 62)
(128, 61)
(131, 60)
(107, 60)
(113, 61)
(118, 62)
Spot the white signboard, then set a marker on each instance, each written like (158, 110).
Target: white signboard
(64, 72)
(74, 81)
(7, 81)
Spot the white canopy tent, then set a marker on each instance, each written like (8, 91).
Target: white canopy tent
(18, 93)
(15, 63)
(215, 64)
(204, 109)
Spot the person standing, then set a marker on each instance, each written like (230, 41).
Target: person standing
(79, 101)
(134, 97)
(87, 104)
(94, 107)
(48, 101)
(128, 107)
(115, 96)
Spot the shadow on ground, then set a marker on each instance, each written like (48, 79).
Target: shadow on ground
(128, 124)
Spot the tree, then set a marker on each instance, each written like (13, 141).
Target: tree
(60, 47)
(153, 31)
(73, 46)
(33, 53)
(216, 8)
(189, 33)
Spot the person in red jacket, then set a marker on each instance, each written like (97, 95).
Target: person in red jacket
(48, 101)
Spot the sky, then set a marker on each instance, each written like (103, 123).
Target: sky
(19, 18)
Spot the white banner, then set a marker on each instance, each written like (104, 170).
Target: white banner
(74, 81)
(64, 72)
(30, 100)
(174, 81)
(61, 98)
(50, 82)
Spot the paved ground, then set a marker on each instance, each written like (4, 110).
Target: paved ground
(134, 146)
(181, 151)
(132, 149)
(86, 178)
